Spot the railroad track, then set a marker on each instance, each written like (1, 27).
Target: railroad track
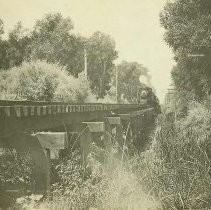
(41, 108)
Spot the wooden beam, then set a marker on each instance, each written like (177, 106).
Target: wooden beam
(85, 143)
(108, 137)
(114, 120)
(119, 136)
(52, 140)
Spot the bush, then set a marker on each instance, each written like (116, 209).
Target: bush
(75, 187)
(8, 85)
(15, 170)
(43, 81)
(74, 90)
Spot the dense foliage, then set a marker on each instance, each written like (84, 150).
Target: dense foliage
(179, 159)
(187, 24)
(177, 166)
(43, 81)
(15, 170)
(53, 41)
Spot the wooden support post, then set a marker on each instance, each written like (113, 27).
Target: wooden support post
(116, 122)
(48, 174)
(41, 164)
(41, 170)
(41, 146)
(92, 132)
(82, 139)
(119, 136)
(85, 143)
(108, 137)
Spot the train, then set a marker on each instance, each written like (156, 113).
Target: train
(147, 94)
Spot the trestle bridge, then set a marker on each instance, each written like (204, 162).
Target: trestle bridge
(45, 129)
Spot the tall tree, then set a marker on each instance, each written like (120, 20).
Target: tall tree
(1, 27)
(129, 80)
(14, 50)
(3, 48)
(18, 45)
(101, 54)
(53, 42)
(187, 24)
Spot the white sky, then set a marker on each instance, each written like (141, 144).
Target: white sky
(134, 24)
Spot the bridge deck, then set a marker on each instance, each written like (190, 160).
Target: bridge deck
(33, 108)
(32, 116)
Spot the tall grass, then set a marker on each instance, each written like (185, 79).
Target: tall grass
(110, 184)
(177, 166)
(107, 185)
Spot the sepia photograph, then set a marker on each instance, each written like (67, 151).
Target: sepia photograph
(105, 104)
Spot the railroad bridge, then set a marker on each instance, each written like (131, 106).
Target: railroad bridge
(46, 129)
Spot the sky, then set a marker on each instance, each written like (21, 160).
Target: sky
(133, 24)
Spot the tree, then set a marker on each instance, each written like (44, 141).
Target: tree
(101, 54)
(52, 41)
(187, 24)
(4, 63)
(4, 60)
(128, 80)
(1, 27)
(14, 50)
(190, 77)
(18, 45)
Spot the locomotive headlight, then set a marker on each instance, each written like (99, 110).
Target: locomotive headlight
(143, 94)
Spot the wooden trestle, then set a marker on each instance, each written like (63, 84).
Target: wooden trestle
(46, 128)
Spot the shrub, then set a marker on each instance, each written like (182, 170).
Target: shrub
(32, 81)
(74, 90)
(8, 85)
(75, 185)
(15, 170)
(39, 80)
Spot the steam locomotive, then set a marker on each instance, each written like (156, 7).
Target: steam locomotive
(149, 97)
